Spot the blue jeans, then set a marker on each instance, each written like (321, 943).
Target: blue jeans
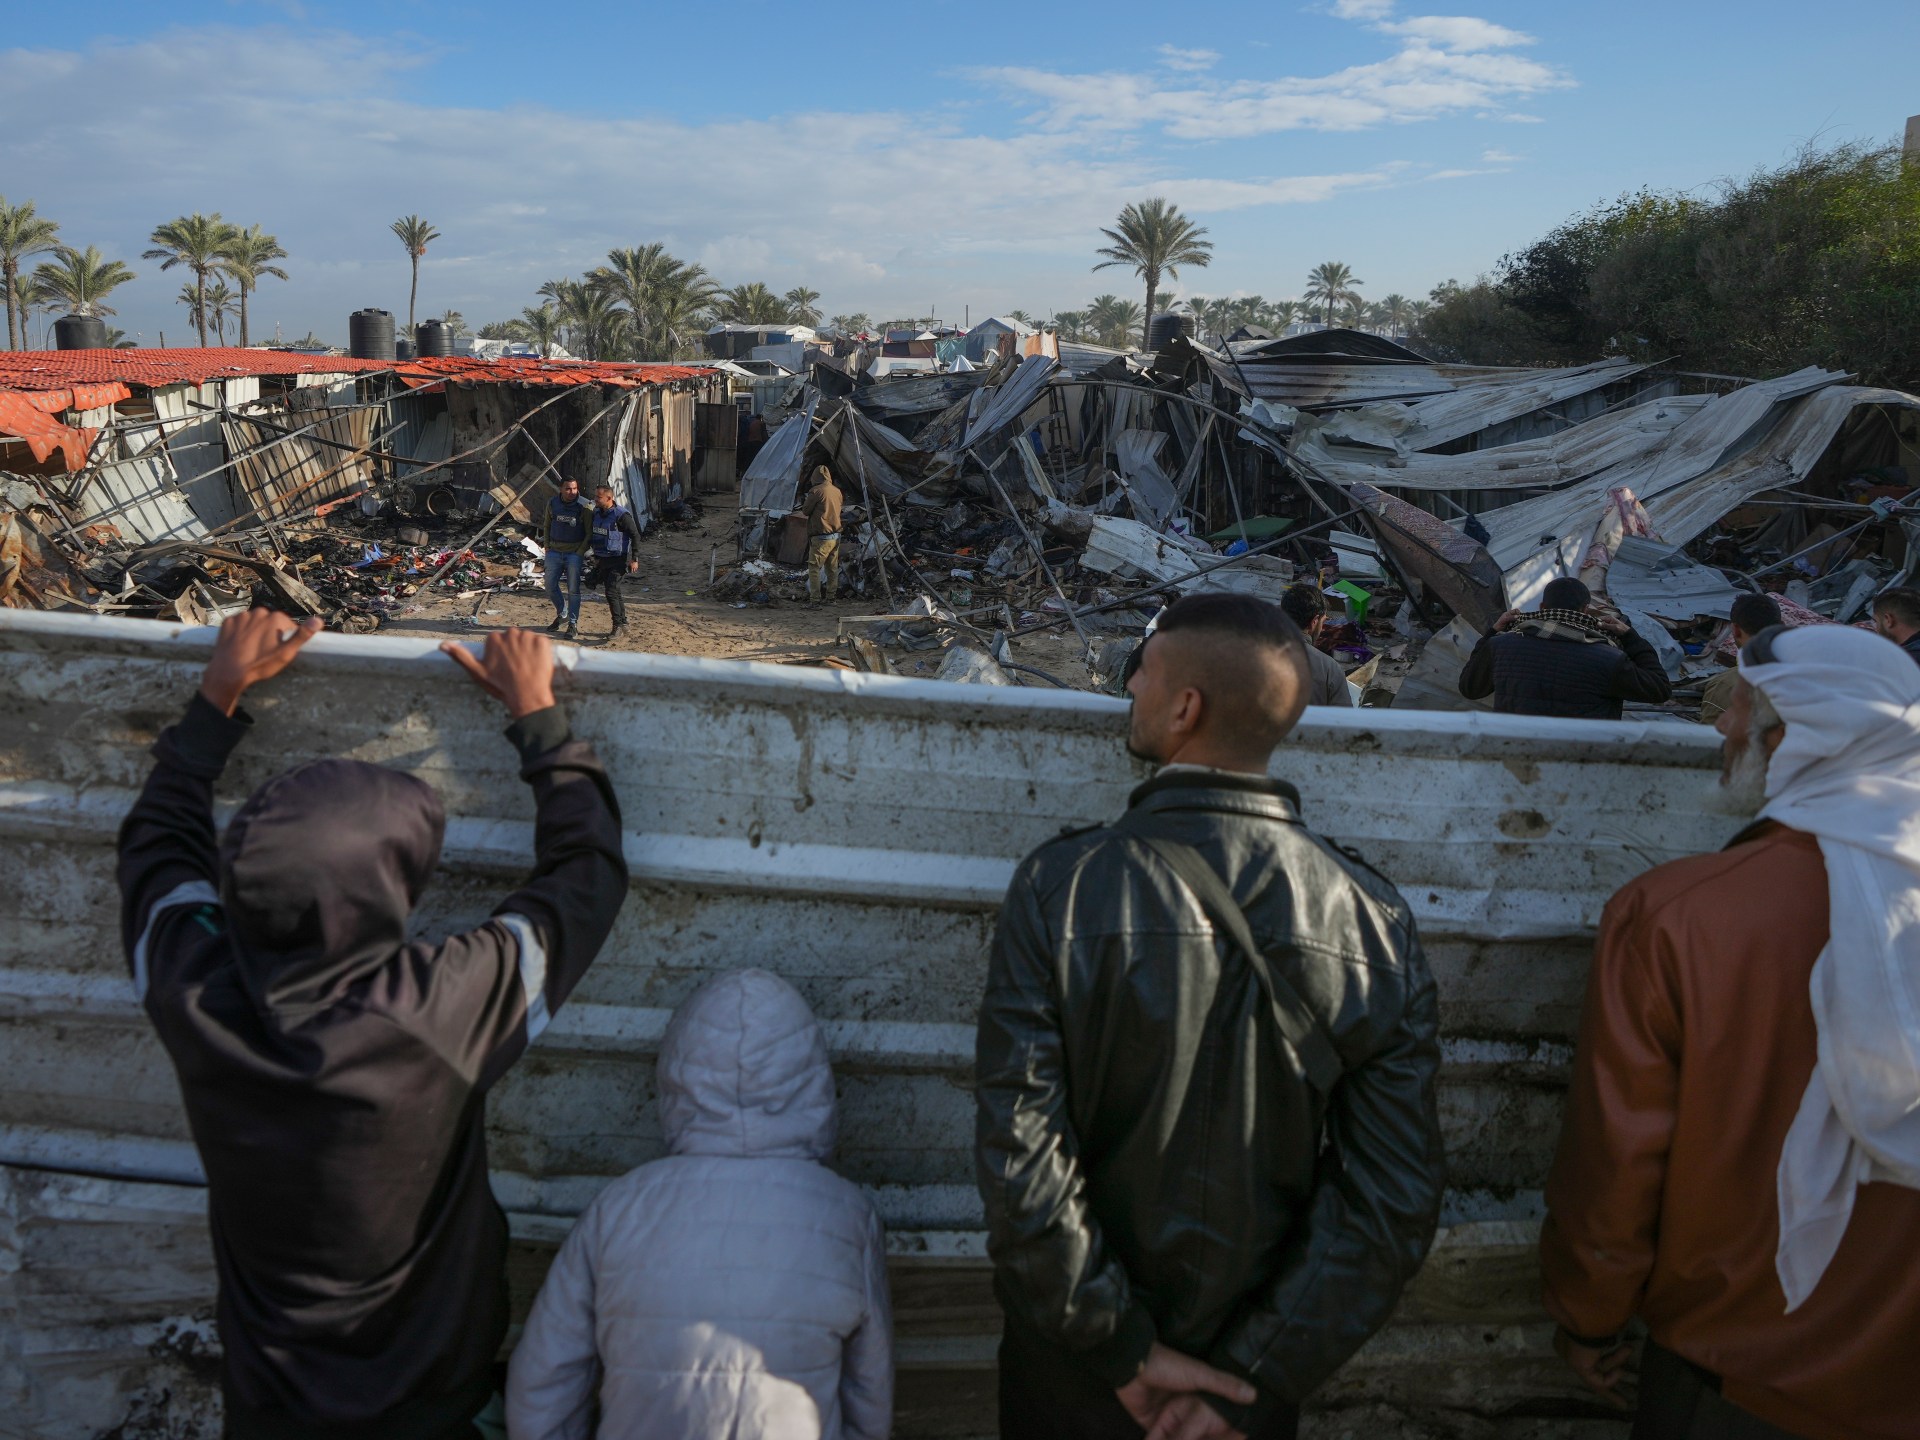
(565, 606)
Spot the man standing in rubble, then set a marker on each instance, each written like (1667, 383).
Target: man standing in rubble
(566, 531)
(1896, 615)
(1206, 1129)
(334, 1064)
(1748, 615)
(1326, 681)
(1739, 1166)
(1566, 659)
(616, 541)
(822, 509)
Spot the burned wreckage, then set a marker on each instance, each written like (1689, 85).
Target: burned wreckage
(1077, 490)
(186, 484)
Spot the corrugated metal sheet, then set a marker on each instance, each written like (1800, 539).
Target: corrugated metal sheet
(190, 416)
(419, 427)
(139, 498)
(1654, 579)
(854, 833)
(284, 476)
(1532, 532)
(772, 481)
(1546, 463)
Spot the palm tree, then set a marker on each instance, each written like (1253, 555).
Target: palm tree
(1112, 319)
(221, 304)
(1353, 312)
(751, 304)
(1417, 311)
(803, 305)
(1155, 239)
(199, 242)
(416, 234)
(651, 284)
(249, 261)
(82, 279)
(1071, 324)
(22, 233)
(189, 296)
(539, 327)
(1394, 313)
(1277, 315)
(854, 324)
(592, 318)
(30, 295)
(456, 322)
(1331, 283)
(117, 340)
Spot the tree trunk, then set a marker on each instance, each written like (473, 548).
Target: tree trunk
(7, 274)
(1146, 325)
(243, 317)
(412, 294)
(200, 305)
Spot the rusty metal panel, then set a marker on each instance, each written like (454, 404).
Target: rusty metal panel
(282, 477)
(854, 833)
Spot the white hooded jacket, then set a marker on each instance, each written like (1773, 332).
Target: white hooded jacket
(738, 1287)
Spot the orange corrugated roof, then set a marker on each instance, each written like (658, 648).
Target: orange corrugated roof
(35, 385)
(527, 370)
(63, 369)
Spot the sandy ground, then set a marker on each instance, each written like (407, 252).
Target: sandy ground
(671, 612)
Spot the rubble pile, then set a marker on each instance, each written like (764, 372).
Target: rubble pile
(1421, 501)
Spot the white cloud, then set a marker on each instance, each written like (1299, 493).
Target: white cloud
(313, 135)
(1444, 65)
(1174, 58)
(1457, 32)
(1496, 156)
(1362, 9)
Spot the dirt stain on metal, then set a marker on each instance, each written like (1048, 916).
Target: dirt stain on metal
(1524, 824)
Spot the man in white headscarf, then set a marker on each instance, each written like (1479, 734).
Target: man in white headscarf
(1740, 1164)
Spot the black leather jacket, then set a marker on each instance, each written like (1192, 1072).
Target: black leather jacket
(1153, 1162)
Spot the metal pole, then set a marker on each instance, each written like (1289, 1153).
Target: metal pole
(1038, 553)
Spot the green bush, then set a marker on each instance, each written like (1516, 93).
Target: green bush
(1815, 263)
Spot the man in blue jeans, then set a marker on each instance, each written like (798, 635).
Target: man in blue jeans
(567, 532)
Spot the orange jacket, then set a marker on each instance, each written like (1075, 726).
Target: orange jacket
(1696, 1042)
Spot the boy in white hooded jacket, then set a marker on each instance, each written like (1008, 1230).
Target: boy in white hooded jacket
(737, 1287)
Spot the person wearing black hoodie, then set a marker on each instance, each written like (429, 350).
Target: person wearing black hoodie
(334, 1071)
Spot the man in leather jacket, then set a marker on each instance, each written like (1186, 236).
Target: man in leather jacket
(1202, 1166)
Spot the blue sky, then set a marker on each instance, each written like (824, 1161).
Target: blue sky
(897, 157)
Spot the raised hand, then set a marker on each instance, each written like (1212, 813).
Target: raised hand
(515, 667)
(254, 645)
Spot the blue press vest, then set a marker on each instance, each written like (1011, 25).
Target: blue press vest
(608, 537)
(566, 522)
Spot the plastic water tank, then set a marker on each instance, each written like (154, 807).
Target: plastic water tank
(1161, 332)
(403, 350)
(370, 335)
(80, 332)
(433, 337)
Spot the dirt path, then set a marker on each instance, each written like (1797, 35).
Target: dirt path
(671, 612)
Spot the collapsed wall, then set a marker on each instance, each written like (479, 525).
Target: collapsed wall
(853, 833)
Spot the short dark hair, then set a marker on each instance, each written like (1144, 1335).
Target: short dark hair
(1244, 690)
(1245, 617)
(1903, 603)
(1303, 604)
(1566, 593)
(1754, 613)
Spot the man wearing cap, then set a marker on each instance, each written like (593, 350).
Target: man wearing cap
(1741, 1150)
(1564, 659)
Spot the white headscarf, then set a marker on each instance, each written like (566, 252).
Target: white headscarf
(1848, 772)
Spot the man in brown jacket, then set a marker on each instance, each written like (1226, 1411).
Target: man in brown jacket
(1700, 1051)
(822, 509)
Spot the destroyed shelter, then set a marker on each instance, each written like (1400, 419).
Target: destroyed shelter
(178, 483)
(1083, 489)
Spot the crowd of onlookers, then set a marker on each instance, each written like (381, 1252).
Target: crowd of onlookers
(1208, 1143)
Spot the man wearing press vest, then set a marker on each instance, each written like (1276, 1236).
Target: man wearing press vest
(566, 531)
(615, 539)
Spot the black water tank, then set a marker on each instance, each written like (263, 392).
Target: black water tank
(1164, 327)
(370, 335)
(433, 337)
(80, 332)
(403, 350)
